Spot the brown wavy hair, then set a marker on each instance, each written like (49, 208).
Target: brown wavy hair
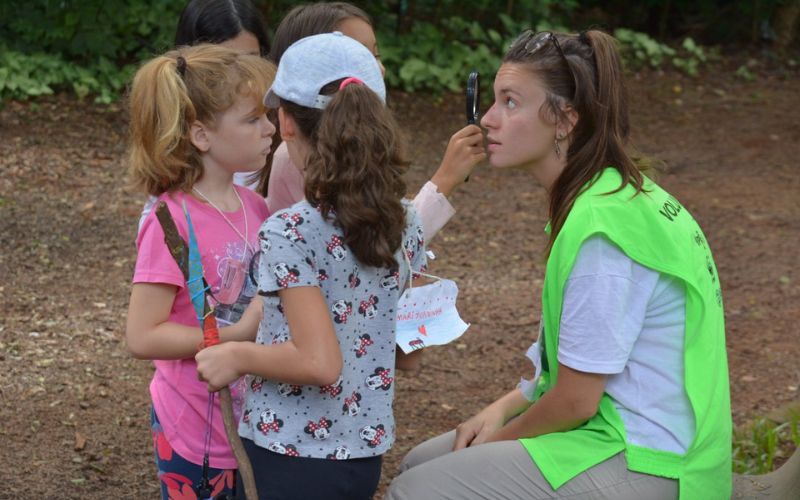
(354, 171)
(598, 94)
(165, 100)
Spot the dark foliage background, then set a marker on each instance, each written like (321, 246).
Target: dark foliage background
(91, 47)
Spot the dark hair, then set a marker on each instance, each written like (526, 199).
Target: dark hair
(598, 94)
(355, 169)
(216, 21)
(311, 19)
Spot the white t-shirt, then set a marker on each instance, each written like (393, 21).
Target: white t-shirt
(628, 321)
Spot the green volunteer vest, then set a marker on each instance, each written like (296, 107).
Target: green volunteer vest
(653, 229)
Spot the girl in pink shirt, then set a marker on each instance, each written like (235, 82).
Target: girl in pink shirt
(196, 120)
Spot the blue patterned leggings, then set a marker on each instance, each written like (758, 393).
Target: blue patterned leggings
(179, 477)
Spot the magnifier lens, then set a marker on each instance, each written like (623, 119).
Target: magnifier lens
(473, 97)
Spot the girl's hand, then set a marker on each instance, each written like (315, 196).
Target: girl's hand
(246, 329)
(217, 365)
(479, 428)
(464, 151)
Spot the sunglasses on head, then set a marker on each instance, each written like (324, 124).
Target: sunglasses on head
(533, 42)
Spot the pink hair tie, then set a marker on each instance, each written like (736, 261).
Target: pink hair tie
(348, 81)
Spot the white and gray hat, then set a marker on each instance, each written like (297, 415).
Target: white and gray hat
(312, 62)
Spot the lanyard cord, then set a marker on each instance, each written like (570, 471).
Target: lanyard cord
(203, 489)
(244, 211)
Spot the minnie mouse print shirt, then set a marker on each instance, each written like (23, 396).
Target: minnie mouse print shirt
(351, 418)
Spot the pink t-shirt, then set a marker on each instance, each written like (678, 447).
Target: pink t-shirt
(286, 186)
(179, 398)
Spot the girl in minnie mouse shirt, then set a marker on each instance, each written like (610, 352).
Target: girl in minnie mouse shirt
(318, 409)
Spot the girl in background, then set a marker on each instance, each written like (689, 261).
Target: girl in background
(318, 412)
(196, 120)
(235, 24)
(284, 182)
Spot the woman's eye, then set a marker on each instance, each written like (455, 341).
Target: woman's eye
(510, 103)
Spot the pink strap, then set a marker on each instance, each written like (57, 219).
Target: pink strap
(348, 81)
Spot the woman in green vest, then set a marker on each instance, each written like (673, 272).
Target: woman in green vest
(628, 395)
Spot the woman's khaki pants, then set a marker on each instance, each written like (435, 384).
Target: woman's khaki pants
(504, 470)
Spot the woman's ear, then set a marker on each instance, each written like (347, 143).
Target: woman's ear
(564, 127)
(198, 134)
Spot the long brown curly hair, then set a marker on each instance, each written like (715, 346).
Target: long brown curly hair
(354, 171)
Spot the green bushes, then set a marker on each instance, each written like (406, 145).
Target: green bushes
(87, 47)
(639, 50)
(91, 47)
(426, 59)
(435, 59)
(84, 31)
(25, 76)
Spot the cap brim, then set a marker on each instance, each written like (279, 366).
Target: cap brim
(271, 100)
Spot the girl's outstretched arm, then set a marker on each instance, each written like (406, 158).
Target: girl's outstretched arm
(150, 334)
(311, 357)
(464, 151)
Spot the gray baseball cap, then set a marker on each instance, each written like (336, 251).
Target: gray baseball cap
(312, 62)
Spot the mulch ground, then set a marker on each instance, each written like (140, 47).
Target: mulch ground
(74, 405)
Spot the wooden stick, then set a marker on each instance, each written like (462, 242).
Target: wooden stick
(180, 252)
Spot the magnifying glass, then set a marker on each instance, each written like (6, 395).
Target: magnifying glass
(473, 97)
(473, 100)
